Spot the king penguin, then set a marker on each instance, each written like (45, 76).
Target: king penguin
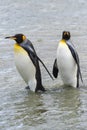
(27, 62)
(67, 62)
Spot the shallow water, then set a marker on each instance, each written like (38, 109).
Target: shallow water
(59, 108)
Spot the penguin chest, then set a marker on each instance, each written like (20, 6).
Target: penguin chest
(66, 64)
(24, 64)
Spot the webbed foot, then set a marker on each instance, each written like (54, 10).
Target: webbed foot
(27, 87)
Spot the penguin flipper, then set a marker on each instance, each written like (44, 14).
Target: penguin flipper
(77, 78)
(55, 69)
(31, 52)
(76, 58)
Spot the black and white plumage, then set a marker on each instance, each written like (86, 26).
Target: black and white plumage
(27, 62)
(67, 62)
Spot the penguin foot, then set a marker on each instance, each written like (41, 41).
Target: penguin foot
(27, 87)
(42, 89)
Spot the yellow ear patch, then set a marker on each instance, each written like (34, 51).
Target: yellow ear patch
(23, 37)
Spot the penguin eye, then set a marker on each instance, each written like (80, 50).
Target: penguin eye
(23, 37)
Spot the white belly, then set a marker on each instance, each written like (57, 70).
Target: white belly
(67, 66)
(26, 69)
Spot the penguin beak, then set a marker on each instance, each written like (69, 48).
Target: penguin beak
(11, 37)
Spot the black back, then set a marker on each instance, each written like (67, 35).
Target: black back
(76, 58)
(33, 56)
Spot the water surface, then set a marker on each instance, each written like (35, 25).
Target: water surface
(59, 108)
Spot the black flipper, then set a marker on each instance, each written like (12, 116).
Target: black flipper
(45, 68)
(55, 69)
(34, 57)
(77, 78)
(76, 58)
(32, 54)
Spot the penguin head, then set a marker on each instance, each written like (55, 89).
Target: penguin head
(66, 35)
(19, 38)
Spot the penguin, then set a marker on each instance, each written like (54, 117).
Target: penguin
(27, 62)
(67, 62)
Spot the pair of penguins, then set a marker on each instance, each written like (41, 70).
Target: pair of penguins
(27, 62)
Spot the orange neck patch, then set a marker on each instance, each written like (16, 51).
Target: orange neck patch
(19, 49)
(62, 41)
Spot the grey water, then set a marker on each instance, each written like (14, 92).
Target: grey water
(42, 21)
